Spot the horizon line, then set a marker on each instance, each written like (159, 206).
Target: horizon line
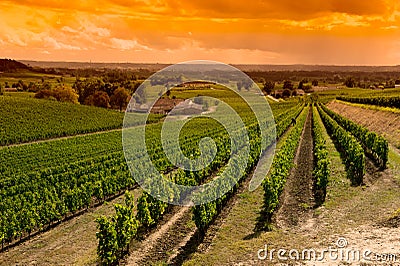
(162, 63)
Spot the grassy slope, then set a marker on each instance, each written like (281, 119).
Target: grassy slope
(27, 77)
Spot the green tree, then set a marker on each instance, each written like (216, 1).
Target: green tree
(45, 86)
(350, 82)
(286, 93)
(99, 99)
(301, 84)
(307, 88)
(268, 87)
(66, 94)
(140, 95)
(120, 98)
(239, 85)
(287, 85)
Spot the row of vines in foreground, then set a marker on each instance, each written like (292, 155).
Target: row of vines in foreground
(283, 161)
(321, 169)
(204, 214)
(115, 233)
(348, 145)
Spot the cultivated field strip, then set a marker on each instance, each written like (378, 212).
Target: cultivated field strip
(348, 145)
(386, 101)
(374, 145)
(27, 119)
(282, 164)
(322, 163)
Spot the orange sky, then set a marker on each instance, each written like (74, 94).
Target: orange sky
(351, 32)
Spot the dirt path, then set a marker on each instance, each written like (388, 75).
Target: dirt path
(297, 197)
(61, 138)
(385, 123)
(156, 246)
(68, 137)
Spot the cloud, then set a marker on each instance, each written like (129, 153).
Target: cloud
(69, 29)
(15, 40)
(392, 27)
(54, 44)
(328, 23)
(121, 44)
(89, 27)
(283, 9)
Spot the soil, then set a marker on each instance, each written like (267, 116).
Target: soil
(297, 197)
(61, 138)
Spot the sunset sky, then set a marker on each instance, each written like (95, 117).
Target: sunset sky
(341, 32)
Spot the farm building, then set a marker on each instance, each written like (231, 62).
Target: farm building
(11, 90)
(188, 107)
(162, 106)
(165, 105)
(300, 92)
(278, 94)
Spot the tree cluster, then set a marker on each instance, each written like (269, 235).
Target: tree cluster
(61, 94)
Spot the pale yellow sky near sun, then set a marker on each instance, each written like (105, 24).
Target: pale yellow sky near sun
(351, 32)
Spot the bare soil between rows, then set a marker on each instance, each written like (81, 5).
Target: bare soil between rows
(297, 198)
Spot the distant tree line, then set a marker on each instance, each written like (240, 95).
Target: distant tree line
(327, 77)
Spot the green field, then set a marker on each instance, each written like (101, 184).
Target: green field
(28, 77)
(25, 119)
